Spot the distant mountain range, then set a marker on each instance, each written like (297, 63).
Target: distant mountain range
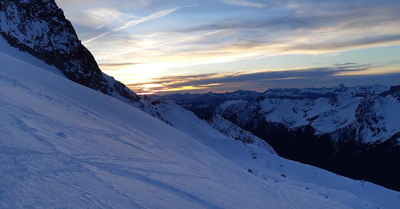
(353, 131)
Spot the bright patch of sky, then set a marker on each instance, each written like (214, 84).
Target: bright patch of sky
(156, 46)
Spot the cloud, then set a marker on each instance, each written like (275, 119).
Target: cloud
(250, 81)
(244, 3)
(345, 64)
(314, 73)
(99, 18)
(316, 26)
(119, 4)
(190, 38)
(126, 25)
(261, 81)
(362, 42)
(153, 16)
(306, 27)
(231, 35)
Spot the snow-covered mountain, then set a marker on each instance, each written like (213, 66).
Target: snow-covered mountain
(203, 105)
(40, 28)
(354, 131)
(64, 145)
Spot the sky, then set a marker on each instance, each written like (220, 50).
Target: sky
(192, 46)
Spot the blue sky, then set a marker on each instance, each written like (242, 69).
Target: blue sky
(169, 46)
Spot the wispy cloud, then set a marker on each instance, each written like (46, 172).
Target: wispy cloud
(261, 81)
(217, 81)
(190, 38)
(126, 25)
(244, 3)
(263, 76)
(347, 44)
(153, 16)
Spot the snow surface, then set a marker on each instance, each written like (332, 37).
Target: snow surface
(64, 145)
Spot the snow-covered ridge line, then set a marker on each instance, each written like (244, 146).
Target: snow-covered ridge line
(330, 109)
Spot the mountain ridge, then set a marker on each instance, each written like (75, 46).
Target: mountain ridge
(338, 128)
(40, 28)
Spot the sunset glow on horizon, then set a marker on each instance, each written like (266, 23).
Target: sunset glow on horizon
(177, 46)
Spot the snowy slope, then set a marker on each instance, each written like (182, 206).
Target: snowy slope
(225, 137)
(64, 145)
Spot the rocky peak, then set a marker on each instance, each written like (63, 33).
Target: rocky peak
(40, 28)
(394, 91)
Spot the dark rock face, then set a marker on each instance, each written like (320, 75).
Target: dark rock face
(394, 91)
(40, 28)
(376, 162)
